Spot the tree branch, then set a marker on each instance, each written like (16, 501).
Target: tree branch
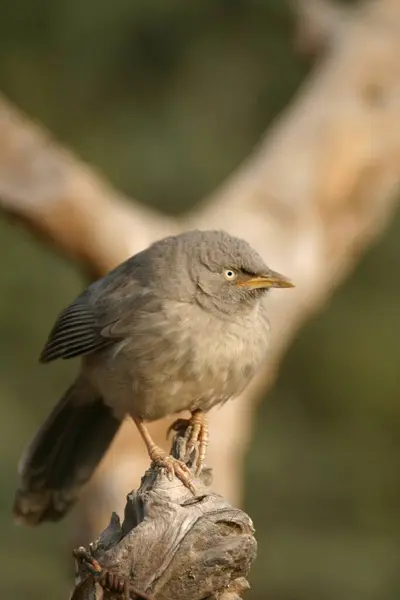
(319, 22)
(66, 203)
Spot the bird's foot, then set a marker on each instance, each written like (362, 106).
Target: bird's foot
(196, 433)
(174, 467)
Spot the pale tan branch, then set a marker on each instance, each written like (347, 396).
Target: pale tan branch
(65, 202)
(318, 23)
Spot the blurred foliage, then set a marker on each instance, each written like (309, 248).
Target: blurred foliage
(167, 97)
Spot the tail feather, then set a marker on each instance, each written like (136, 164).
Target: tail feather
(63, 455)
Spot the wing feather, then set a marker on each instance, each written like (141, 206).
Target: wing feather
(74, 333)
(100, 316)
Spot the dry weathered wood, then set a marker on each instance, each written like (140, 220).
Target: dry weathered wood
(318, 190)
(171, 545)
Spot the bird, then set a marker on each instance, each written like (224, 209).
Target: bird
(179, 326)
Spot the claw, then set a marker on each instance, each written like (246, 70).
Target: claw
(174, 467)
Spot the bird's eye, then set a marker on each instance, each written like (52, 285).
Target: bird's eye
(230, 274)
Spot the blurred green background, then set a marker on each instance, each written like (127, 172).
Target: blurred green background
(167, 97)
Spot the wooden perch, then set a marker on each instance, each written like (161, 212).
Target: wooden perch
(171, 544)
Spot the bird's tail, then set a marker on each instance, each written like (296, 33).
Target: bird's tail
(63, 455)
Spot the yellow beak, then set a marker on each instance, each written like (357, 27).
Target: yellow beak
(270, 279)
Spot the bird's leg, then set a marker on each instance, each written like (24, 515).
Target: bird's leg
(197, 433)
(162, 459)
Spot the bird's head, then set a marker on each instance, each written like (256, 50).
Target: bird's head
(217, 270)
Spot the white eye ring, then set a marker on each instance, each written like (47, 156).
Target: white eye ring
(230, 274)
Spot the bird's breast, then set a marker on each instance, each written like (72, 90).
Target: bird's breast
(185, 358)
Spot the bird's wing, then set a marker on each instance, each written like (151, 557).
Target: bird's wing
(103, 314)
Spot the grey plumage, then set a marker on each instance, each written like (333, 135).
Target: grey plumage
(179, 326)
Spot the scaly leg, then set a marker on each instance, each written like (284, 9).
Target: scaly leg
(174, 466)
(199, 433)
(197, 427)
